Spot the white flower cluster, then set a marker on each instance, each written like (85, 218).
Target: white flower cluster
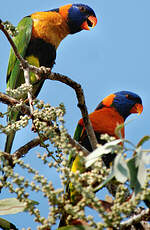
(12, 30)
(20, 92)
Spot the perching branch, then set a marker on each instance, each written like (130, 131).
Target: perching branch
(46, 74)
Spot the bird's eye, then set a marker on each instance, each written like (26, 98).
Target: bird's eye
(130, 97)
(82, 9)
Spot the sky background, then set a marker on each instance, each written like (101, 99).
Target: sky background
(113, 56)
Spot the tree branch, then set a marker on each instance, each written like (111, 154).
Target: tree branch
(4, 98)
(46, 73)
(7, 156)
(23, 150)
(37, 141)
(81, 104)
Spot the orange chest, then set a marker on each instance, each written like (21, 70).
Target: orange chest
(49, 26)
(105, 121)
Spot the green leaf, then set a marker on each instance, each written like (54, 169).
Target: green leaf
(142, 159)
(120, 126)
(12, 206)
(121, 171)
(76, 227)
(137, 168)
(6, 225)
(108, 179)
(143, 140)
(133, 171)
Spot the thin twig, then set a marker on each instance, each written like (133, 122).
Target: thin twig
(8, 100)
(37, 141)
(144, 215)
(27, 81)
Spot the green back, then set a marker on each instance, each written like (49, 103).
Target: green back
(14, 79)
(15, 76)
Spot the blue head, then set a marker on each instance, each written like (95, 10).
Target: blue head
(125, 102)
(78, 16)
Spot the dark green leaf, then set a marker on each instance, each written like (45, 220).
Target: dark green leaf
(133, 171)
(143, 140)
(108, 179)
(5, 225)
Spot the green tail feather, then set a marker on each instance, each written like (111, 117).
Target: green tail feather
(9, 142)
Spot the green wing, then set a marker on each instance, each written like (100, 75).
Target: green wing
(75, 164)
(15, 76)
(21, 41)
(78, 132)
(77, 135)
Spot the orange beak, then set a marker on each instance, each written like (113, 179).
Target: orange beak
(137, 108)
(90, 22)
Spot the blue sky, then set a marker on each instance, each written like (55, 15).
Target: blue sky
(113, 56)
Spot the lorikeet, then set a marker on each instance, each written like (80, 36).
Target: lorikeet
(39, 36)
(112, 110)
